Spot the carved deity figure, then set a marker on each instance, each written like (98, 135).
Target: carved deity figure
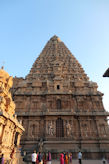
(1, 130)
(50, 129)
(40, 145)
(68, 126)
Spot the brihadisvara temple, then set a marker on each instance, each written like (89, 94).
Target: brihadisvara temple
(60, 108)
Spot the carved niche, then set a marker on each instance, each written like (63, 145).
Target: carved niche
(33, 129)
(68, 128)
(50, 128)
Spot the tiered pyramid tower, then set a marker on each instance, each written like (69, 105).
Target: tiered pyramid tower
(60, 108)
(56, 62)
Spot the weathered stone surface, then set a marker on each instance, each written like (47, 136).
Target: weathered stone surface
(10, 129)
(60, 106)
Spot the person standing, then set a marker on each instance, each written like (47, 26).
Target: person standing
(44, 158)
(62, 159)
(70, 158)
(37, 162)
(2, 159)
(49, 158)
(40, 158)
(34, 157)
(80, 157)
(66, 158)
(108, 159)
(104, 160)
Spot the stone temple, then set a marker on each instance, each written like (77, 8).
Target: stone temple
(61, 110)
(10, 128)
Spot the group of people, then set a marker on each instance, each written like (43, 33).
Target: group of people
(104, 161)
(65, 158)
(38, 158)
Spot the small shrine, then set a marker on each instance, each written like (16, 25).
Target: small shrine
(10, 128)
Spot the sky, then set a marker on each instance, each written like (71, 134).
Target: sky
(83, 25)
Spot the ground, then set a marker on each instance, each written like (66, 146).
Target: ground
(83, 162)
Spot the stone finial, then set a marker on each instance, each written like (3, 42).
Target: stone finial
(55, 39)
(2, 67)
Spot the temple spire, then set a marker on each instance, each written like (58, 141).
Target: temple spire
(56, 61)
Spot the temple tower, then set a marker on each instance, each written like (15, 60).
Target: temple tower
(60, 108)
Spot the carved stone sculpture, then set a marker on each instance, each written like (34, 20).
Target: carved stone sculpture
(9, 125)
(40, 145)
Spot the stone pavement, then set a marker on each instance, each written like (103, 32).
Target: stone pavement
(76, 162)
(83, 162)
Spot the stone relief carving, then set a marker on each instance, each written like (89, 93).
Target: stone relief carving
(68, 129)
(8, 123)
(6, 133)
(11, 134)
(33, 129)
(40, 145)
(50, 128)
(1, 130)
(102, 130)
(2, 102)
(2, 86)
(88, 128)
